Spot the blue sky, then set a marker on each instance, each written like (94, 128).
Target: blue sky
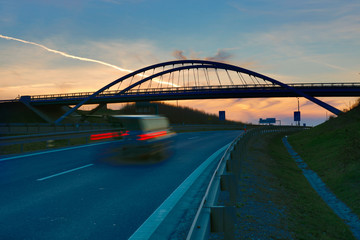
(292, 41)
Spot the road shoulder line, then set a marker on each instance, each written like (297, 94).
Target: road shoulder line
(64, 172)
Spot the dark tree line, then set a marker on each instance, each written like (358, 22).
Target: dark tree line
(175, 114)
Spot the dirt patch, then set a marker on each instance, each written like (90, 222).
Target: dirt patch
(261, 213)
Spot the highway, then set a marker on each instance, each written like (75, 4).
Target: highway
(70, 194)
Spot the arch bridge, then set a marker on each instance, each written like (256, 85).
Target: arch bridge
(195, 79)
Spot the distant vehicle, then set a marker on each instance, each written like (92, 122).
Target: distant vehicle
(145, 136)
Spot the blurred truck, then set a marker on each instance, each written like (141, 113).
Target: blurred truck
(145, 137)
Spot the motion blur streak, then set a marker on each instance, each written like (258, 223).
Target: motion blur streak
(108, 135)
(151, 135)
(80, 58)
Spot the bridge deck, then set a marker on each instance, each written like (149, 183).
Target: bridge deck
(202, 92)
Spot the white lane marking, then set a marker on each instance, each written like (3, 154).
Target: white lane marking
(51, 151)
(153, 222)
(68, 171)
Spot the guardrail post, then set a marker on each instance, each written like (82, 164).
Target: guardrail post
(232, 154)
(230, 165)
(233, 166)
(228, 183)
(222, 219)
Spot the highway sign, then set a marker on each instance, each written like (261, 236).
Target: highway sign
(297, 116)
(222, 115)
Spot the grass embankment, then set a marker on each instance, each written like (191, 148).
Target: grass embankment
(309, 216)
(332, 149)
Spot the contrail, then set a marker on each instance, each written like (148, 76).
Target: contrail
(80, 58)
(66, 54)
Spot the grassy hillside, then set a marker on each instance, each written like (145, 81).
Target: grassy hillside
(309, 217)
(332, 149)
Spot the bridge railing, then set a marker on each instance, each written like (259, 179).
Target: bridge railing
(82, 95)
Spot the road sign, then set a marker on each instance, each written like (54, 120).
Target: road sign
(222, 115)
(297, 116)
(267, 121)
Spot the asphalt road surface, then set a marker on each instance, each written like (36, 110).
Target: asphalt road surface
(70, 194)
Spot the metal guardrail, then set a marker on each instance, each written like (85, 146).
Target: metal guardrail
(200, 227)
(213, 218)
(41, 128)
(7, 129)
(50, 137)
(206, 127)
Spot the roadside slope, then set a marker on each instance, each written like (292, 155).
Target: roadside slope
(276, 200)
(332, 149)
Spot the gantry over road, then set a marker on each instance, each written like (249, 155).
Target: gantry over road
(195, 79)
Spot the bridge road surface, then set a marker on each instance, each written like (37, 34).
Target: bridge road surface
(68, 194)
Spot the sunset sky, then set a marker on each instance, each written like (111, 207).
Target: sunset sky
(291, 41)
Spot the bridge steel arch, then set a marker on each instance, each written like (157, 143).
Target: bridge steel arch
(195, 64)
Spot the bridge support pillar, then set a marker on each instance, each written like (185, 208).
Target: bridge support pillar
(26, 102)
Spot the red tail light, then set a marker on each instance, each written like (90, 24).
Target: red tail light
(125, 133)
(108, 135)
(148, 136)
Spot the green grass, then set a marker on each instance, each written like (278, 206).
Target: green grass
(309, 216)
(333, 151)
